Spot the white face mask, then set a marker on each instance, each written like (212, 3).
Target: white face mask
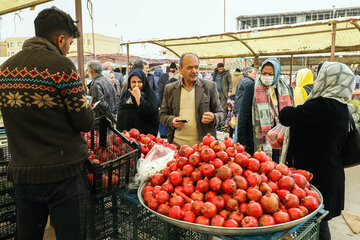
(267, 80)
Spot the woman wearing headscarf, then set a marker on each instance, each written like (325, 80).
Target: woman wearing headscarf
(138, 106)
(304, 85)
(318, 131)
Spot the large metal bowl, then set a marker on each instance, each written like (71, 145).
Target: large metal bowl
(230, 231)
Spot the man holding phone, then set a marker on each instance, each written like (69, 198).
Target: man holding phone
(192, 99)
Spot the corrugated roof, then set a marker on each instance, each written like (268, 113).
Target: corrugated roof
(8, 6)
(300, 38)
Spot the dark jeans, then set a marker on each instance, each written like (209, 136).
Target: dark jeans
(324, 233)
(66, 201)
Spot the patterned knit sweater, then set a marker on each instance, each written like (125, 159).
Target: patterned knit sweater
(44, 108)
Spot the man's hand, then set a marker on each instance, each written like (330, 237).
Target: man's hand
(177, 125)
(208, 117)
(229, 94)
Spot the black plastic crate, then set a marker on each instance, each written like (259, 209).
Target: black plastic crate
(4, 160)
(116, 155)
(7, 229)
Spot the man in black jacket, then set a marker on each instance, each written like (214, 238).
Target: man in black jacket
(44, 107)
(223, 81)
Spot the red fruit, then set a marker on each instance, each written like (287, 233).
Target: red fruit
(176, 212)
(281, 217)
(196, 147)
(182, 149)
(202, 186)
(295, 213)
(156, 190)
(196, 207)
(189, 216)
(224, 213)
(176, 201)
(266, 220)
(291, 201)
(196, 176)
(166, 172)
(243, 208)
(145, 140)
(273, 186)
(231, 151)
(306, 174)
(207, 155)
(194, 159)
(237, 216)
(209, 210)
(282, 193)
(222, 155)
(281, 137)
(208, 139)
(157, 179)
(260, 155)
(217, 163)
(305, 210)
(188, 152)
(208, 170)
(240, 195)
(164, 209)
(219, 202)
(188, 189)
(287, 183)
(179, 188)
(314, 194)
(226, 196)
(241, 159)
(182, 161)
(300, 180)
(188, 170)
(197, 196)
(253, 179)
(159, 140)
(274, 175)
(232, 205)
(299, 192)
(270, 203)
(264, 188)
(149, 195)
(264, 178)
(209, 195)
(217, 146)
(153, 204)
(239, 148)
(236, 169)
(254, 209)
(283, 169)
(253, 164)
(228, 186)
(231, 223)
(310, 203)
(253, 194)
(173, 166)
(186, 207)
(186, 180)
(217, 221)
(147, 189)
(228, 142)
(175, 178)
(241, 182)
(224, 172)
(249, 221)
(163, 197)
(202, 220)
(134, 133)
(265, 167)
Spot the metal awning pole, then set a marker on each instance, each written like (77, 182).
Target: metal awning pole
(80, 45)
(127, 60)
(291, 67)
(333, 36)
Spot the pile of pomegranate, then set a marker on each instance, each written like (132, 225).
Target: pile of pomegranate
(217, 183)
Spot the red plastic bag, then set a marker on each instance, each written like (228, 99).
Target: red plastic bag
(275, 137)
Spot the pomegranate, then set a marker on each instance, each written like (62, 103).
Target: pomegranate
(253, 164)
(208, 170)
(188, 189)
(241, 159)
(249, 221)
(196, 207)
(208, 210)
(215, 183)
(241, 182)
(264, 178)
(153, 204)
(197, 196)
(157, 179)
(163, 197)
(186, 180)
(239, 148)
(222, 155)
(217, 146)
(149, 195)
(189, 216)
(305, 210)
(231, 223)
(291, 201)
(235, 169)
(164, 209)
(209, 195)
(300, 180)
(196, 176)
(224, 172)
(224, 213)
(310, 203)
(134, 133)
(194, 159)
(232, 205)
(253, 179)
(208, 139)
(176, 201)
(217, 221)
(228, 186)
(176, 212)
(314, 194)
(182, 161)
(243, 208)
(202, 185)
(202, 220)
(270, 203)
(299, 192)
(188, 170)
(287, 183)
(295, 213)
(147, 189)
(273, 186)
(283, 169)
(265, 167)
(281, 217)
(156, 190)
(207, 155)
(226, 196)
(175, 178)
(264, 188)
(274, 175)
(173, 166)
(253, 194)
(231, 151)
(237, 216)
(240, 195)
(166, 172)
(282, 193)
(186, 207)
(266, 220)
(260, 155)
(217, 163)
(219, 202)
(254, 209)
(188, 152)
(228, 142)
(306, 174)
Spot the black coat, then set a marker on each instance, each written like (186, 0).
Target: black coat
(163, 81)
(319, 129)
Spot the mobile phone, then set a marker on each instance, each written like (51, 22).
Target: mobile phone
(183, 121)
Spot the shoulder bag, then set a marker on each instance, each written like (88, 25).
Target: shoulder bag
(351, 150)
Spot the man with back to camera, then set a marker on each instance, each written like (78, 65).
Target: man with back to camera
(223, 81)
(44, 108)
(192, 99)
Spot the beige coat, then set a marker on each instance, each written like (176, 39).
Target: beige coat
(237, 76)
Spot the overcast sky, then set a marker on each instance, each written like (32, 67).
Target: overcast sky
(146, 19)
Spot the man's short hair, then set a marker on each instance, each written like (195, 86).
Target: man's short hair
(52, 22)
(184, 55)
(139, 64)
(248, 70)
(95, 66)
(237, 70)
(220, 65)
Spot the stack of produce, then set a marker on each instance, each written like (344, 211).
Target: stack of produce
(217, 183)
(354, 107)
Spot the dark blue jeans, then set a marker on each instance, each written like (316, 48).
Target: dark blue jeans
(66, 201)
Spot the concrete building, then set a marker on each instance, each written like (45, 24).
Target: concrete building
(3, 49)
(253, 21)
(14, 44)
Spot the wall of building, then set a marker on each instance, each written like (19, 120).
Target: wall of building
(14, 45)
(103, 44)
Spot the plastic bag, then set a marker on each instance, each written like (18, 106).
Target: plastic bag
(155, 161)
(275, 137)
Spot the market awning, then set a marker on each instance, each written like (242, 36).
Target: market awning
(8, 6)
(301, 38)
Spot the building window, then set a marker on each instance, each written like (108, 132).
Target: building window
(308, 17)
(19, 44)
(262, 22)
(11, 44)
(254, 23)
